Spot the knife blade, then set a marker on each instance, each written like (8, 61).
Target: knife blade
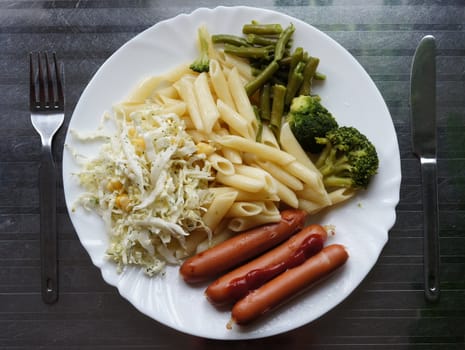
(424, 144)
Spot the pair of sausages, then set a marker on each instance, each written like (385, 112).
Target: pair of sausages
(271, 278)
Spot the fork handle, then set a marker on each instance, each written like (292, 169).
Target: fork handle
(48, 229)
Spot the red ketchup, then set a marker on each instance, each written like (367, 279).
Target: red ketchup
(240, 287)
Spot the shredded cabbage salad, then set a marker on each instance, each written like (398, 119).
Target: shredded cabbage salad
(150, 186)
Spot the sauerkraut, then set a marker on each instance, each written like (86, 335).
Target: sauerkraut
(150, 186)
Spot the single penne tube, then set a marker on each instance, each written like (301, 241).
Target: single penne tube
(269, 208)
(206, 104)
(309, 206)
(241, 65)
(241, 100)
(178, 108)
(244, 196)
(218, 208)
(257, 196)
(221, 164)
(241, 182)
(290, 144)
(340, 195)
(232, 155)
(268, 137)
(146, 88)
(309, 177)
(234, 120)
(239, 209)
(281, 174)
(311, 194)
(221, 189)
(185, 88)
(219, 83)
(244, 223)
(166, 93)
(305, 174)
(257, 173)
(286, 195)
(259, 149)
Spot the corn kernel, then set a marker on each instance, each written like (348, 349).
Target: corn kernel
(122, 202)
(131, 132)
(114, 185)
(205, 148)
(139, 145)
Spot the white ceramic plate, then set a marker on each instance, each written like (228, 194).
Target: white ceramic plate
(362, 224)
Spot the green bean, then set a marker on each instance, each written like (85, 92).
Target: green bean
(258, 137)
(262, 40)
(294, 82)
(295, 58)
(265, 98)
(262, 78)
(229, 39)
(277, 108)
(319, 76)
(262, 29)
(308, 73)
(282, 42)
(248, 52)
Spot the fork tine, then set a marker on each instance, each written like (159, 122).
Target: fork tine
(51, 95)
(32, 83)
(41, 82)
(60, 95)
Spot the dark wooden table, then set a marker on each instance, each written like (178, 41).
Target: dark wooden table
(387, 311)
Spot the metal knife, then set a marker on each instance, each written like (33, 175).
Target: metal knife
(423, 118)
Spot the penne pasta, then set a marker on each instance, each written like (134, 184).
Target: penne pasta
(185, 89)
(269, 208)
(235, 121)
(146, 88)
(310, 194)
(259, 174)
(239, 209)
(340, 195)
(306, 175)
(268, 137)
(310, 207)
(221, 164)
(259, 149)
(241, 182)
(290, 144)
(241, 100)
(244, 196)
(281, 175)
(232, 155)
(238, 63)
(246, 223)
(286, 194)
(219, 83)
(218, 208)
(208, 111)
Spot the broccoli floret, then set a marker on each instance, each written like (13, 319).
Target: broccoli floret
(309, 119)
(348, 159)
(202, 62)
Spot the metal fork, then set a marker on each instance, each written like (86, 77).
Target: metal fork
(47, 115)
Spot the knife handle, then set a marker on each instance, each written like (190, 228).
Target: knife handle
(430, 230)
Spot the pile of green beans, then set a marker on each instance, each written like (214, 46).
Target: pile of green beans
(280, 74)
